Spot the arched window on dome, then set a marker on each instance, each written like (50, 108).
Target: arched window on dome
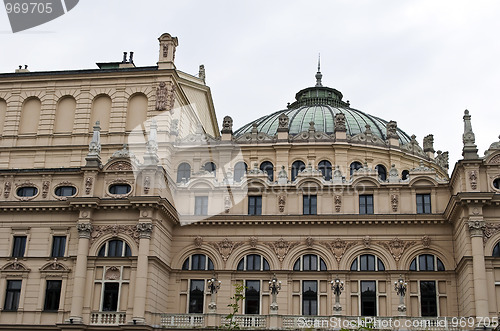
(326, 169)
(253, 262)
(268, 168)
(115, 248)
(355, 166)
(297, 167)
(240, 169)
(426, 262)
(309, 262)
(367, 262)
(382, 172)
(405, 174)
(183, 172)
(496, 250)
(210, 167)
(198, 262)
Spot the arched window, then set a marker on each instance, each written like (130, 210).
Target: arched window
(253, 262)
(115, 248)
(326, 169)
(367, 262)
(240, 169)
(496, 250)
(198, 262)
(268, 168)
(309, 262)
(382, 172)
(210, 167)
(405, 174)
(297, 167)
(426, 262)
(183, 172)
(355, 166)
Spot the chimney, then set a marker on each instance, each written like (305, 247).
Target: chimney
(131, 59)
(124, 57)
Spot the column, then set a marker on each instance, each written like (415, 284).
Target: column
(79, 279)
(141, 278)
(476, 226)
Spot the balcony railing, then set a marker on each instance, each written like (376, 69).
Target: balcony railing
(108, 318)
(294, 322)
(182, 320)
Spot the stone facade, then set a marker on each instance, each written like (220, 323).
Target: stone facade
(117, 223)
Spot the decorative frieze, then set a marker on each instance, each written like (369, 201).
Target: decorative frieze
(165, 96)
(88, 185)
(45, 188)
(115, 230)
(338, 202)
(490, 229)
(473, 179)
(338, 247)
(397, 247)
(6, 189)
(121, 166)
(226, 247)
(147, 184)
(281, 202)
(281, 248)
(394, 202)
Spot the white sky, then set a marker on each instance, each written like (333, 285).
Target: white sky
(418, 62)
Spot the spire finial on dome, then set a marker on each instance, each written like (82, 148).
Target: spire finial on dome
(318, 74)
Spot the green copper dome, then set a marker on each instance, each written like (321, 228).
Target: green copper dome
(320, 104)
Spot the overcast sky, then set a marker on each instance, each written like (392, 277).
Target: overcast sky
(420, 63)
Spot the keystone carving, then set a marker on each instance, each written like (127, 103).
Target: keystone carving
(226, 247)
(338, 247)
(253, 241)
(198, 241)
(281, 248)
(426, 241)
(397, 247)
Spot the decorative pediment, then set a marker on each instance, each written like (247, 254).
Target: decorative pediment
(366, 138)
(54, 266)
(413, 147)
(15, 266)
(493, 158)
(252, 138)
(312, 136)
(198, 138)
(119, 166)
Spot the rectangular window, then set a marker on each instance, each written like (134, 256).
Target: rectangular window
(252, 297)
(52, 295)
(309, 297)
(368, 298)
(58, 246)
(19, 246)
(12, 295)
(423, 203)
(201, 205)
(110, 297)
(310, 204)
(255, 205)
(366, 204)
(428, 301)
(196, 296)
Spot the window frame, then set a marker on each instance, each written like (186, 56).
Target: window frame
(434, 298)
(361, 297)
(310, 204)
(12, 295)
(197, 297)
(320, 262)
(254, 205)
(186, 169)
(243, 263)
(377, 263)
(189, 262)
(257, 297)
(415, 264)
(311, 311)
(52, 295)
(19, 245)
(60, 247)
(366, 208)
(325, 167)
(423, 206)
(240, 170)
(297, 167)
(201, 205)
(268, 168)
(126, 249)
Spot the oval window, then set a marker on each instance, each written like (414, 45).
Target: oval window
(496, 183)
(65, 191)
(27, 191)
(119, 189)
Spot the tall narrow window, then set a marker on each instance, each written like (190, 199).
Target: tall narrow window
(201, 205)
(423, 203)
(428, 301)
(240, 169)
(58, 246)
(354, 167)
(368, 298)
(405, 174)
(196, 296)
(183, 172)
(310, 204)
(12, 295)
(309, 297)
(255, 205)
(252, 297)
(326, 169)
(19, 246)
(52, 295)
(268, 168)
(366, 204)
(110, 297)
(382, 172)
(297, 167)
